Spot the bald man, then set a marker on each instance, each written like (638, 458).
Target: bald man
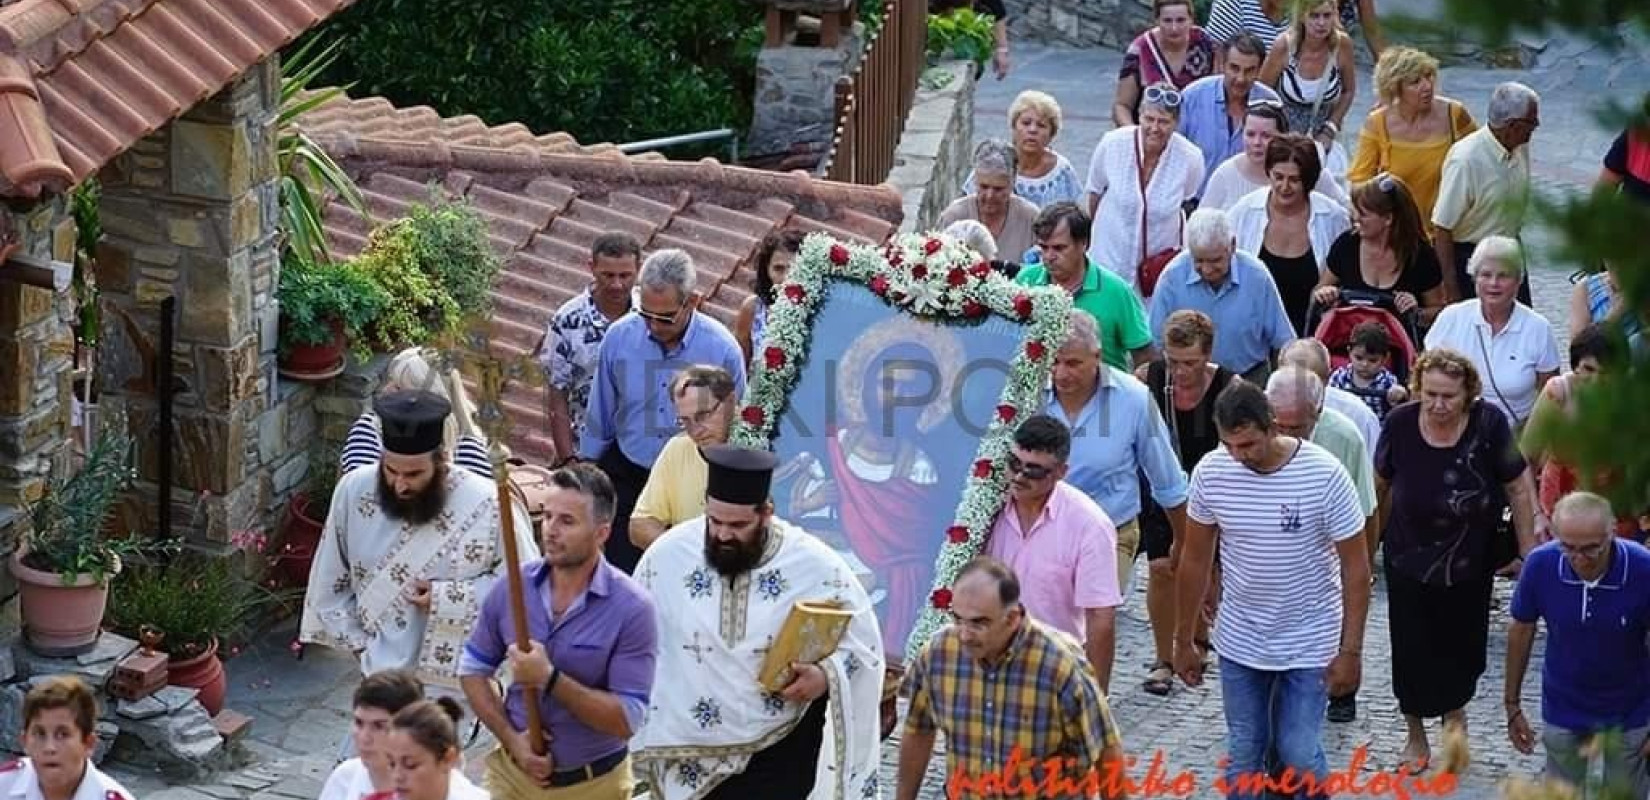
(1311, 355)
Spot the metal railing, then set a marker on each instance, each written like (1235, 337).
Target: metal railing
(720, 134)
(871, 103)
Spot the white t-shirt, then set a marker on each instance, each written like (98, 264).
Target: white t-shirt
(1280, 603)
(1354, 409)
(350, 781)
(1227, 185)
(1507, 362)
(1114, 175)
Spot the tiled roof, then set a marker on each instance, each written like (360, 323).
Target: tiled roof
(544, 207)
(82, 80)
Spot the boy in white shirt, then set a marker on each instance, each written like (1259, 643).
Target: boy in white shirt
(59, 735)
(376, 702)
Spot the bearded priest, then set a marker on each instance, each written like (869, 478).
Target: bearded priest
(723, 585)
(410, 548)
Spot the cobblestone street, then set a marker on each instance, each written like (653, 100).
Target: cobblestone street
(300, 707)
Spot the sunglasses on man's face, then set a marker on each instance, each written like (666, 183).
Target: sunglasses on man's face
(1035, 472)
(661, 319)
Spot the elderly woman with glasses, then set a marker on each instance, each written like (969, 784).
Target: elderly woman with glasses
(1411, 130)
(1174, 51)
(462, 440)
(1288, 226)
(1387, 252)
(1447, 468)
(1245, 172)
(1042, 176)
(1510, 345)
(1140, 178)
(993, 202)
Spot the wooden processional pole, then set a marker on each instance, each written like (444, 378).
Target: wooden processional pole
(474, 357)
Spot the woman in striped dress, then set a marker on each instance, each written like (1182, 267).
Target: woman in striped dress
(1267, 19)
(1311, 66)
(463, 442)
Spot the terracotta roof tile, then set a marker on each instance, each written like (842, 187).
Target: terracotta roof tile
(544, 205)
(83, 80)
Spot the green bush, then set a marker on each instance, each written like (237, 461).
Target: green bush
(962, 34)
(315, 296)
(436, 269)
(619, 71)
(193, 600)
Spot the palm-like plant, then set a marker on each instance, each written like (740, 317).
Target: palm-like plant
(305, 167)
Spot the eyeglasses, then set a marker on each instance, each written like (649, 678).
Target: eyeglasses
(662, 319)
(1035, 472)
(1165, 96)
(698, 420)
(1587, 551)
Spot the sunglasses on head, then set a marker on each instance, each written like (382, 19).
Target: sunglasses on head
(1035, 472)
(1256, 105)
(1165, 96)
(1384, 182)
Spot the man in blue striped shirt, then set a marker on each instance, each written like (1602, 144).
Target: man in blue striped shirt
(1296, 583)
(631, 413)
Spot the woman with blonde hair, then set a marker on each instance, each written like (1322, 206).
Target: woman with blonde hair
(411, 370)
(1314, 43)
(1042, 175)
(1411, 130)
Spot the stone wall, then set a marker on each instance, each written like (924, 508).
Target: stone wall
(1085, 23)
(796, 95)
(36, 359)
(191, 212)
(935, 148)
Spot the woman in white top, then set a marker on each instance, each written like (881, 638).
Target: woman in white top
(1246, 171)
(1139, 180)
(377, 700)
(1042, 175)
(424, 754)
(1289, 228)
(1510, 344)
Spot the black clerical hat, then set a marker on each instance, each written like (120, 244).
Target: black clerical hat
(738, 475)
(412, 421)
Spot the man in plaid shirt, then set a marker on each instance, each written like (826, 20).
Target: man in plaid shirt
(1011, 695)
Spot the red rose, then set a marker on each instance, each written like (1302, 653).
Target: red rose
(956, 277)
(972, 309)
(1035, 350)
(942, 599)
(896, 259)
(1006, 412)
(752, 415)
(879, 285)
(1022, 305)
(932, 246)
(957, 534)
(839, 255)
(795, 293)
(919, 272)
(982, 468)
(774, 357)
(980, 270)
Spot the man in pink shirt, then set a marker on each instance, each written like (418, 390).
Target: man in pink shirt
(1060, 543)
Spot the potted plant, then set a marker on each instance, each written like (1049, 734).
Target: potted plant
(200, 604)
(323, 308)
(306, 515)
(65, 562)
(435, 267)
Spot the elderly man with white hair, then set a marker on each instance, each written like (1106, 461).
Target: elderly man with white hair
(1592, 591)
(1298, 410)
(1485, 185)
(1312, 356)
(1230, 286)
(632, 413)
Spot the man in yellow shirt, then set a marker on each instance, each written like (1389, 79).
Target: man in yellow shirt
(675, 490)
(1485, 187)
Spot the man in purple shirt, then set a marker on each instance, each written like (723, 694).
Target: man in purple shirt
(594, 644)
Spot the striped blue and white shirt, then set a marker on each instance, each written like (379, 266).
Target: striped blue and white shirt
(1280, 603)
(365, 445)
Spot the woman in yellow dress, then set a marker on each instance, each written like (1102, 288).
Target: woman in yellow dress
(1412, 129)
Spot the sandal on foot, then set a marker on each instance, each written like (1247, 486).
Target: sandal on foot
(1160, 681)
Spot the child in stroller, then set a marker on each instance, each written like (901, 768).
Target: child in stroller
(1387, 347)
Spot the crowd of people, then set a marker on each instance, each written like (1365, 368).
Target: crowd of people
(1292, 371)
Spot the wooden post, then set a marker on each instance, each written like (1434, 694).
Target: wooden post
(775, 28)
(473, 356)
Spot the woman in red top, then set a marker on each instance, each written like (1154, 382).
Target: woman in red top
(1175, 51)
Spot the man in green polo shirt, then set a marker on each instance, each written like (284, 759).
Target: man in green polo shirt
(1062, 232)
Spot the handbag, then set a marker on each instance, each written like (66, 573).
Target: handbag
(1150, 267)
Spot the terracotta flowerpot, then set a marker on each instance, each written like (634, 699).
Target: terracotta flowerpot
(203, 672)
(316, 363)
(59, 620)
(303, 535)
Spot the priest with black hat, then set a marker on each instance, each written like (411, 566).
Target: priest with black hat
(410, 548)
(723, 585)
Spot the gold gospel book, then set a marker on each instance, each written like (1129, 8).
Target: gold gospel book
(811, 633)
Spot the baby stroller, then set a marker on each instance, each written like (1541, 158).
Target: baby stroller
(1355, 307)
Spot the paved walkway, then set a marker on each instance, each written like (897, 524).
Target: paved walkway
(300, 707)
